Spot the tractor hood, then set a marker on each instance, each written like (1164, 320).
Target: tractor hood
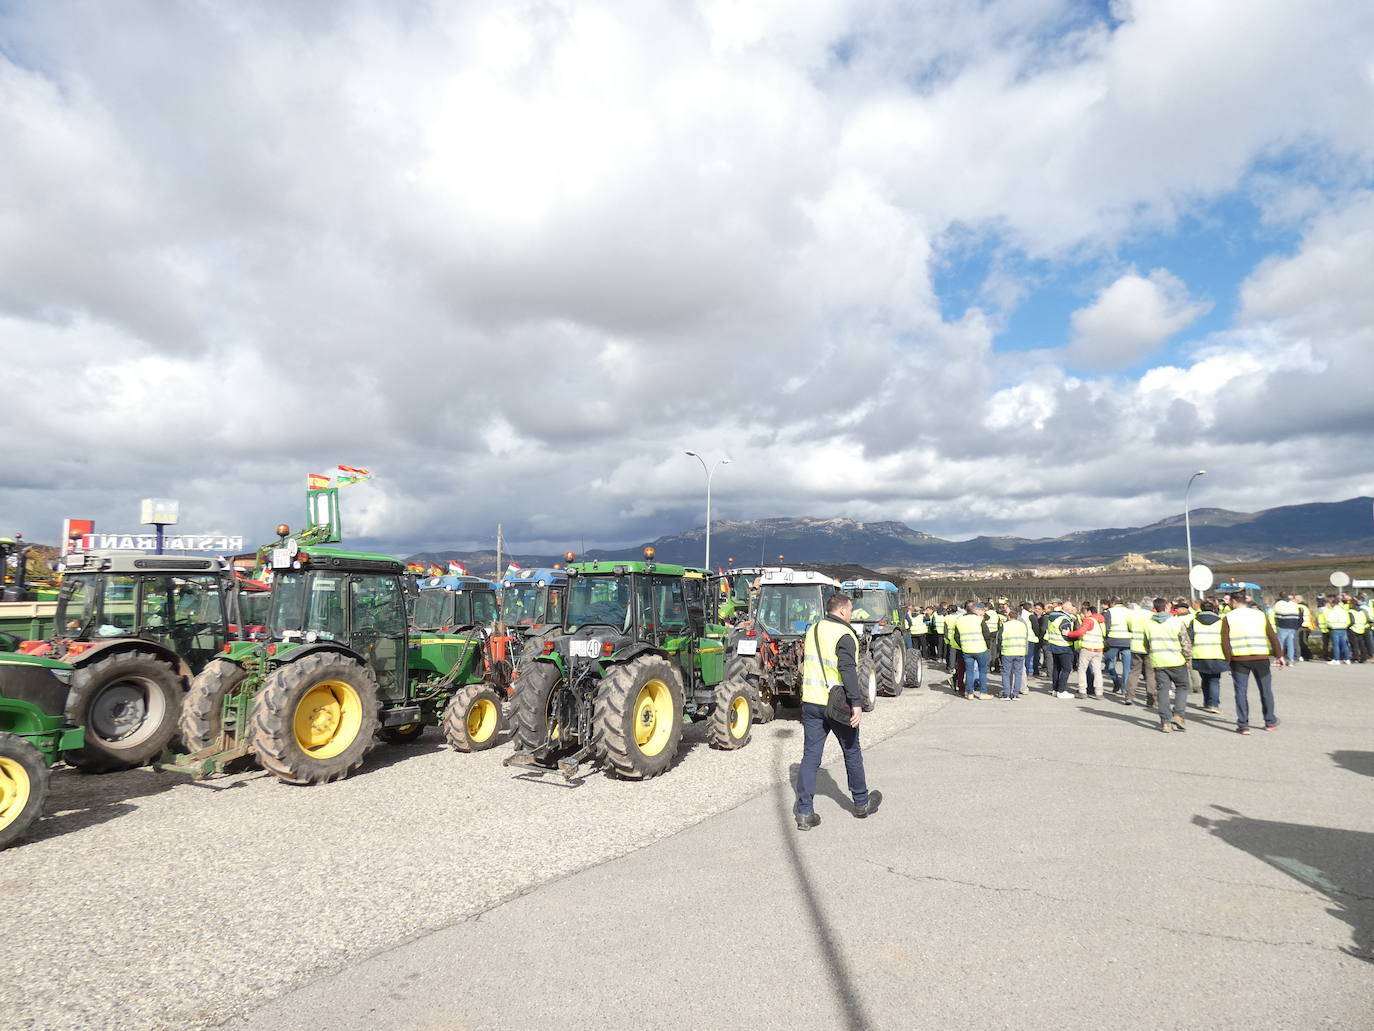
(32, 678)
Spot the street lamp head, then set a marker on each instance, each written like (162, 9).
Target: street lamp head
(693, 454)
(725, 460)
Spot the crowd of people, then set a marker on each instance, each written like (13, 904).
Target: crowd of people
(1158, 648)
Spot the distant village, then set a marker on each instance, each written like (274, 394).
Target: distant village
(1132, 563)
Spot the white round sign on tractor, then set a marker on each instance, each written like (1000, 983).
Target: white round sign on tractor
(1340, 579)
(1200, 577)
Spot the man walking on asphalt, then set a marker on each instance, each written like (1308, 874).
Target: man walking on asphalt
(1117, 654)
(1169, 647)
(1248, 639)
(831, 651)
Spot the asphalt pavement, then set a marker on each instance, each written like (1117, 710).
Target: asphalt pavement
(1038, 863)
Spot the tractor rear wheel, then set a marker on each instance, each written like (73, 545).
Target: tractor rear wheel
(315, 719)
(402, 735)
(637, 717)
(129, 703)
(750, 670)
(733, 716)
(915, 668)
(23, 787)
(889, 659)
(535, 727)
(474, 720)
(202, 713)
(868, 683)
(743, 666)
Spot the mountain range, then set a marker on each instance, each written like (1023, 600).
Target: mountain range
(1219, 536)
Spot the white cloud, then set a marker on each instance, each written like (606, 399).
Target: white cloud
(1131, 318)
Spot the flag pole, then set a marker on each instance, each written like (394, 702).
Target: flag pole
(499, 542)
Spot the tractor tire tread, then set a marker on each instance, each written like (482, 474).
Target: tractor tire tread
(611, 714)
(16, 748)
(88, 681)
(203, 708)
(718, 729)
(455, 721)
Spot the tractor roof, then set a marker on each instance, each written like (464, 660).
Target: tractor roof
(618, 567)
(138, 562)
(455, 583)
(542, 575)
(795, 576)
(869, 585)
(350, 561)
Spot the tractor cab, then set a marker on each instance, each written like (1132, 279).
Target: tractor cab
(767, 653)
(877, 605)
(448, 603)
(881, 624)
(533, 598)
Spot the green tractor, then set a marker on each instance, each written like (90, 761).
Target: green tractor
(34, 732)
(338, 667)
(884, 654)
(134, 628)
(636, 657)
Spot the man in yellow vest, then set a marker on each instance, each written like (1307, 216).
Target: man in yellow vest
(1089, 635)
(829, 659)
(1248, 640)
(1288, 623)
(1061, 621)
(1338, 625)
(971, 638)
(1359, 632)
(1169, 647)
(1117, 656)
(1015, 638)
(1209, 661)
(1309, 625)
(1140, 661)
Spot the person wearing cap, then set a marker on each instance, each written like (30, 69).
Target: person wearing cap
(1248, 640)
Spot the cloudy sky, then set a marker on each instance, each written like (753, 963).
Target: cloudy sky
(1018, 266)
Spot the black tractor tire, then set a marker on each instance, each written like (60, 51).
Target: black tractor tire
(533, 692)
(23, 787)
(915, 668)
(733, 716)
(402, 735)
(750, 670)
(868, 683)
(889, 659)
(129, 704)
(637, 717)
(202, 713)
(314, 719)
(475, 719)
(743, 666)
(530, 649)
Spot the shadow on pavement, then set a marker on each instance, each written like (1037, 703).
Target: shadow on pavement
(1329, 860)
(1141, 720)
(79, 800)
(855, 1018)
(1355, 762)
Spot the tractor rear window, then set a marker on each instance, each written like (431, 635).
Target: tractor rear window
(288, 602)
(434, 610)
(873, 605)
(520, 604)
(790, 608)
(75, 603)
(599, 599)
(484, 607)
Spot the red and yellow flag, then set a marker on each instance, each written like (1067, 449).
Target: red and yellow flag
(316, 481)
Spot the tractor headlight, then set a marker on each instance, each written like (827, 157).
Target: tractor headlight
(63, 675)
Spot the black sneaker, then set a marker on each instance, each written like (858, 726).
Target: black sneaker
(805, 821)
(875, 799)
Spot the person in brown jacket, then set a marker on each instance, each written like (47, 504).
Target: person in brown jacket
(1248, 640)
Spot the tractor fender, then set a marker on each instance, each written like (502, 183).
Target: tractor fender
(134, 644)
(633, 652)
(295, 654)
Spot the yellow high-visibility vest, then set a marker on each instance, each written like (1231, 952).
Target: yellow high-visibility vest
(1118, 624)
(1165, 640)
(1337, 617)
(1092, 637)
(969, 629)
(1248, 631)
(1137, 621)
(1054, 629)
(820, 662)
(1207, 640)
(1015, 635)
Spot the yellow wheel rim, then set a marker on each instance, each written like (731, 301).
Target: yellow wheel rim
(14, 791)
(739, 716)
(654, 717)
(328, 719)
(482, 719)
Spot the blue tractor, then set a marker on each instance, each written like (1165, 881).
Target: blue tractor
(883, 636)
(532, 608)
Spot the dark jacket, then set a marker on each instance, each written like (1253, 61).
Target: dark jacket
(847, 662)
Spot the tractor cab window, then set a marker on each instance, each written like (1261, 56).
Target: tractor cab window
(696, 592)
(76, 604)
(872, 605)
(118, 612)
(288, 603)
(179, 601)
(520, 604)
(553, 606)
(377, 606)
(740, 584)
(670, 608)
(434, 610)
(484, 608)
(790, 608)
(599, 599)
(324, 606)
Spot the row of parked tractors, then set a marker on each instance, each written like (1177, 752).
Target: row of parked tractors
(177, 662)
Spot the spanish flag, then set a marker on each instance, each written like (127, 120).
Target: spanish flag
(316, 481)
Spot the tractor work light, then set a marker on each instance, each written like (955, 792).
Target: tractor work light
(606, 648)
(649, 554)
(548, 648)
(569, 556)
(283, 530)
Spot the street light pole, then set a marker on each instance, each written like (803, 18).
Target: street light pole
(1188, 528)
(710, 475)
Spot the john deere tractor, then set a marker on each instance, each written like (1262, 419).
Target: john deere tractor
(883, 635)
(532, 609)
(135, 628)
(34, 732)
(337, 668)
(737, 596)
(634, 659)
(767, 654)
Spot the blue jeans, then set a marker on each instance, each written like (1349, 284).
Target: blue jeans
(976, 672)
(1240, 676)
(1288, 643)
(1032, 658)
(1013, 674)
(1211, 689)
(1340, 645)
(815, 726)
(1110, 659)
